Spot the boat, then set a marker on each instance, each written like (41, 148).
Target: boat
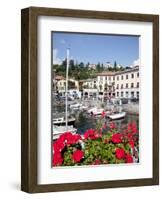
(118, 115)
(62, 121)
(76, 106)
(95, 111)
(83, 107)
(59, 130)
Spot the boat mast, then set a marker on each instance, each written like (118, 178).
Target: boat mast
(66, 91)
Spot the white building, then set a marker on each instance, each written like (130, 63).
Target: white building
(89, 88)
(105, 84)
(92, 66)
(127, 83)
(122, 84)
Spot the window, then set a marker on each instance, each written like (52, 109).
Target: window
(122, 77)
(121, 86)
(117, 86)
(106, 78)
(138, 74)
(132, 85)
(126, 85)
(137, 95)
(132, 94)
(117, 94)
(113, 78)
(132, 75)
(117, 78)
(109, 78)
(137, 84)
(121, 94)
(127, 76)
(101, 78)
(126, 94)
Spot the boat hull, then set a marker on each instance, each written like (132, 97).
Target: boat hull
(64, 123)
(117, 116)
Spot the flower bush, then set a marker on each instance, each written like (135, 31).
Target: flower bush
(97, 146)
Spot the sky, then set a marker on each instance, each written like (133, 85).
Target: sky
(94, 48)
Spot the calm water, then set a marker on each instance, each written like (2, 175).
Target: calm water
(85, 121)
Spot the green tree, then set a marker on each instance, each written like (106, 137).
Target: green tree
(115, 66)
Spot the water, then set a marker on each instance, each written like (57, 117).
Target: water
(84, 122)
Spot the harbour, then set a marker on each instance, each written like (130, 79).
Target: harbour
(81, 119)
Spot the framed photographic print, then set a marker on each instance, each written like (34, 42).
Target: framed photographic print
(90, 100)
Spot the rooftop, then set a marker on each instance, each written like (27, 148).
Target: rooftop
(111, 73)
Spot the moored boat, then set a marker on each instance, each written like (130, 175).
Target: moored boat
(118, 115)
(95, 111)
(62, 121)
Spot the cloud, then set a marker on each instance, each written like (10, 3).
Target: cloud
(56, 60)
(136, 62)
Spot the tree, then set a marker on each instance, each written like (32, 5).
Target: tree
(115, 66)
(98, 67)
(81, 65)
(72, 65)
(87, 65)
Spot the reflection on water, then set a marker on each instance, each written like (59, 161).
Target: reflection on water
(84, 121)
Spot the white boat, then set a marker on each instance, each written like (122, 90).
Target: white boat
(95, 111)
(62, 120)
(83, 107)
(59, 130)
(76, 106)
(115, 116)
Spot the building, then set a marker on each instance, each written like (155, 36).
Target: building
(89, 88)
(92, 66)
(106, 84)
(127, 83)
(121, 84)
(59, 83)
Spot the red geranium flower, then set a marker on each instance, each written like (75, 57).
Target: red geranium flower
(103, 114)
(66, 137)
(112, 125)
(57, 159)
(117, 138)
(77, 155)
(74, 139)
(132, 128)
(58, 146)
(91, 134)
(129, 158)
(120, 153)
(131, 143)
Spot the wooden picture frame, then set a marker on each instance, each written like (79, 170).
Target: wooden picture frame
(29, 97)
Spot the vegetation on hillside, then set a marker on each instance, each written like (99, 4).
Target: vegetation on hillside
(81, 71)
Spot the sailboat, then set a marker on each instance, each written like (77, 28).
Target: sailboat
(59, 130)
